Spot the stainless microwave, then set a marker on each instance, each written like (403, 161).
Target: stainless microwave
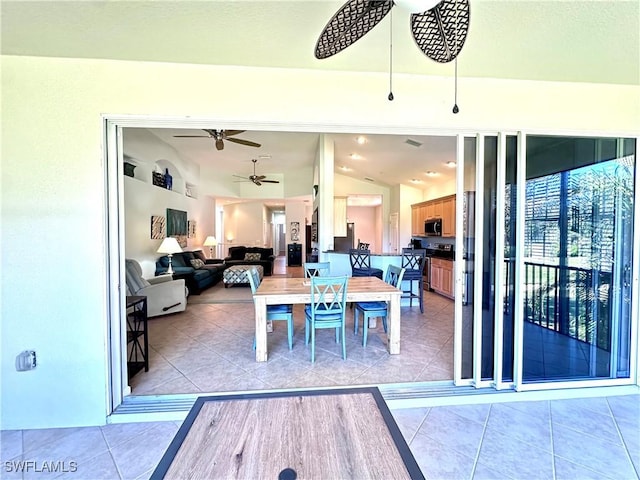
(433, 227)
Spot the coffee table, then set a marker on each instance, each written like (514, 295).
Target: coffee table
(237, 275)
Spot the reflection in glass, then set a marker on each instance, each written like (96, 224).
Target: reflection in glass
(577, 257)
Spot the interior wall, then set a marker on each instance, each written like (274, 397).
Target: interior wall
(365, 221)
(295, 212)
(244, 224)
(54, 188)
(142, 199)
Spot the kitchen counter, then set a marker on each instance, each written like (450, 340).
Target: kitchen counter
(373, 254)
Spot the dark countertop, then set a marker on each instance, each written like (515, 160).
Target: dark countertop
(373, 254)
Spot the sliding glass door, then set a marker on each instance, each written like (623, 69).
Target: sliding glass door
(577, 254)
(545, 261)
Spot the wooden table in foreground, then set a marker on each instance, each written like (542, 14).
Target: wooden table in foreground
(332, 434)
(276, 291)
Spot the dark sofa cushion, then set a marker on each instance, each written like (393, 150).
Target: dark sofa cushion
(200, 255)
(237, 253)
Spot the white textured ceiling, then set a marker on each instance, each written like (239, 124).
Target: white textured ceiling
(578, 41)
(574, 41)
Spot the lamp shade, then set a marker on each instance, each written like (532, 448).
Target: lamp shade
(169, 245)
(210, 241)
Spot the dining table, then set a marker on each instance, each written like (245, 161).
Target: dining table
(282, 290)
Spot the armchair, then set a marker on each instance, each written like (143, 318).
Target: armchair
(164, 295)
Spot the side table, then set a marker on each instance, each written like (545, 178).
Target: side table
(137, 353)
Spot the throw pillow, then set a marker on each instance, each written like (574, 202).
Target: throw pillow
(251, 257)
(197, 263)
(200, 255)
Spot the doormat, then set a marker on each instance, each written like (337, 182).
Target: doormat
(338, 433)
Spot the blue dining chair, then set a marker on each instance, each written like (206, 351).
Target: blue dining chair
(274, 312)
(316, 269)
(326, 310)
(360, 260)
(376, 309)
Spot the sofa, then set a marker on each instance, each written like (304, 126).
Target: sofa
(198, 271)
(249, 256)
(164, 295)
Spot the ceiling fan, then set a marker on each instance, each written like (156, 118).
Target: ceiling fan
(220, 135)
(439, 27)
(256, 179)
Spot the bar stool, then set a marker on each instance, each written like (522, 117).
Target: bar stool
(360, 261)
(413, 260)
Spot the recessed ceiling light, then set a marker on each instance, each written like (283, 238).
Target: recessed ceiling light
(451, 164)
(355, 156)
(361, 140)
(264, 156)
(431, 173)
(415, 180)
(345, 168)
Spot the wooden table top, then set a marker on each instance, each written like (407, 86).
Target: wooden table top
(331, 434)
(281, 286)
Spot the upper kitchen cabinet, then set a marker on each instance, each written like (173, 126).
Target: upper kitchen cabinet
(449, 216)
(444, 208)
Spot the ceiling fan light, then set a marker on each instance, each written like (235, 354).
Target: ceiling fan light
(416, 6)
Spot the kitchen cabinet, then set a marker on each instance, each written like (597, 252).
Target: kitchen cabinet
(442, 277)
(429, 209)
(415, 220)
(449, 217)
(444, 208)
(339, 216)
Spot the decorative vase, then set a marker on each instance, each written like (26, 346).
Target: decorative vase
(168, 179)
(128, 169)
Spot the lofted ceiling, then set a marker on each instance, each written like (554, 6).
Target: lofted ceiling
(383, 159)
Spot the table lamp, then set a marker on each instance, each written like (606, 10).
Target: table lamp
(210, 242)
(169, 246)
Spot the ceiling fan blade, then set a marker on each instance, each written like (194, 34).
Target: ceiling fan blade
(190, 136)
(240, 176)
(440, 32)
(260, 177)
(270, 181)
(248, 143)
(219, 144)
(354, 19)
(257, 182)
(228, 133)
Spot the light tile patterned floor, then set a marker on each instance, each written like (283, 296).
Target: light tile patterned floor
(595, 438)
(208, 348)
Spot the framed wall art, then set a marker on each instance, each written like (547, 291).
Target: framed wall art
(191, 226)
(158, 227)
(176, 222)
(295, 231)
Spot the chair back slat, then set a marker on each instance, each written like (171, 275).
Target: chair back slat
(413, 258)
(328, 294)
(254, 279)
(394, 275)
(359, 258)
(316, 269)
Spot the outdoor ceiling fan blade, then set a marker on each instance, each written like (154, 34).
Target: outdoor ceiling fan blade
(228, 133)
(354, 19)
(243, 142)
(219, 144)
(270, 181)
(441, 32)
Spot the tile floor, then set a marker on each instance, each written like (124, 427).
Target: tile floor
(208, 348)
(593, 438)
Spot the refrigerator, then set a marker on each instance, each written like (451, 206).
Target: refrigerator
(343, 244)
